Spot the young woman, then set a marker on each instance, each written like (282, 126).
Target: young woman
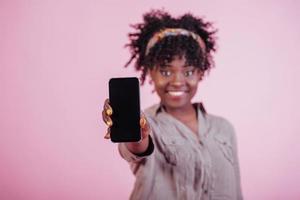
(185, 152)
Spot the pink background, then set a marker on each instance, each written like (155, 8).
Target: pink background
(55, 61)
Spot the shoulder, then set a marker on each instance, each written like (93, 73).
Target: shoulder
(219, 121)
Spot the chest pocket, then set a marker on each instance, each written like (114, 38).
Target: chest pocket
(172, 149)
(224, 144)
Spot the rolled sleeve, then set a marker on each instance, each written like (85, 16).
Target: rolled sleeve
(131, 157)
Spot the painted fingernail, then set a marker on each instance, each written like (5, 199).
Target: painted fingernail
(109, 123)
(109, 111)
(143, 122)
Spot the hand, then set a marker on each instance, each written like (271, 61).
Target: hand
(106, 116)
(106, 113)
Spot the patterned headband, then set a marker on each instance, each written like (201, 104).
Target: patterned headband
(173, 32)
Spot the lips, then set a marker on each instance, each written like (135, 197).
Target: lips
(176, 93)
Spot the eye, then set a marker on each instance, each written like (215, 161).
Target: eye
(165, 73)
(189, 72)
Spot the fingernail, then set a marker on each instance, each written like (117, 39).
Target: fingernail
(143, 122)
(109, 123)
(108, 111)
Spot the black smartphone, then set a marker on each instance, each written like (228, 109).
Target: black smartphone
(124, 98)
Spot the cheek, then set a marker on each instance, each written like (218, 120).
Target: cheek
(193, 82)
(159, 82)
(160, 85)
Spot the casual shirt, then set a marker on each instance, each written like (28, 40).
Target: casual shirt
(185, 165)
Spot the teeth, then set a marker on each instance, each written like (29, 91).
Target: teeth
(176, 93)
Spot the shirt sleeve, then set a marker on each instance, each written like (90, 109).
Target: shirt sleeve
(131, 157)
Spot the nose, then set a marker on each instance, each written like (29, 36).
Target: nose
(177, 79)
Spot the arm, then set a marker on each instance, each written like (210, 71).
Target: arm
(133, 157)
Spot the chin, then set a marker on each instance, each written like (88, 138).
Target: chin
(175, 105)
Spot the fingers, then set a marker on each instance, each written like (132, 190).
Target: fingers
(106, 113)
(107, 108)
(107, 135)
(107, 120)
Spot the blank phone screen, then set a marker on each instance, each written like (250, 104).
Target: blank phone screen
(124, 98)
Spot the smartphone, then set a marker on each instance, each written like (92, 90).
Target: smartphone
(124, 98)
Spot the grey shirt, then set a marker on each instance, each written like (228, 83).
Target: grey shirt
(184, 165)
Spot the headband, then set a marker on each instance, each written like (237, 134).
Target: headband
(173, 32)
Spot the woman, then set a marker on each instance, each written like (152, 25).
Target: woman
(185, 153)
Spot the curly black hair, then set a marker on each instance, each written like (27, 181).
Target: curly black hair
(165, 49)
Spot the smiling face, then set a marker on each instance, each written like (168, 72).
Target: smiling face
(176, 83)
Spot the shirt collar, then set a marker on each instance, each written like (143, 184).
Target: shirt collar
(199, 106)
(201, 115)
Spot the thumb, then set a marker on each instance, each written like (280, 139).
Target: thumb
(145, 127)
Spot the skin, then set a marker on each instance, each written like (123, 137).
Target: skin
(176, 84)
(134, 147)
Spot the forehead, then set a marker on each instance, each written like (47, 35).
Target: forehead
(177, 61)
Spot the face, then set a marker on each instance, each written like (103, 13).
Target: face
(176, 83)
